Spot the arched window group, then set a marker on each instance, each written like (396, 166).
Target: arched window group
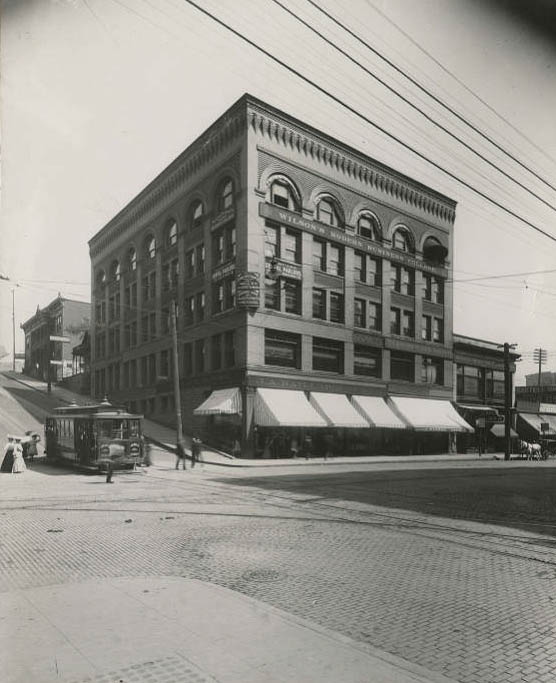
(132, 259)
(402, 240)
(115, 271)
(368, 227)
(171, 233)
(101, 278)
(150, 247)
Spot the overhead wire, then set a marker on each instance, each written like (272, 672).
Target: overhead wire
(407, 101)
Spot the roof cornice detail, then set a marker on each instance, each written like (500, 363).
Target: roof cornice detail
(364, 170)
(172, 179)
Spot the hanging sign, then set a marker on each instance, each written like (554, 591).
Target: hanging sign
(248, 290)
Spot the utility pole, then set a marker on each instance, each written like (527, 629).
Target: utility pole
(507, 400)
(49, 358)
(539, 356)
(175, 364)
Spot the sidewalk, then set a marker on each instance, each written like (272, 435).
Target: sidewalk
(178, 630)
(165, 438)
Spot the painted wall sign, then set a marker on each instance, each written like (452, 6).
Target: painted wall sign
(248, 290)
(223, 272)
(284, 269)
(334, 234)
(222, 218)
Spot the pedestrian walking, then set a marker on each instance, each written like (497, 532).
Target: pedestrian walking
(195, 451)
(307, 446)
(32, 447)
(109, 471)
(180, 456)
(146, 451)
(8, 460)
(19, 463)
(236, 449)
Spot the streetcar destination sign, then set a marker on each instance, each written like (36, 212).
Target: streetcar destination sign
(53, 337)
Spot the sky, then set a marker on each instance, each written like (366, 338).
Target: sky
(98, 96)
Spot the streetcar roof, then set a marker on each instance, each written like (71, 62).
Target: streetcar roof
(95, 411)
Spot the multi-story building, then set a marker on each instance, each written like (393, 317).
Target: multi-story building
(313, 288)
(480, 387)
(44, 349)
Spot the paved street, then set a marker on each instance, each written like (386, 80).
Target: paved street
(450, 568)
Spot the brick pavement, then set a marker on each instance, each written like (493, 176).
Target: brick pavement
(461, 605)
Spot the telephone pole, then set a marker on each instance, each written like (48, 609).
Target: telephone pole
(13, 327)
(176, 373)
(507, 400)
(539, 356)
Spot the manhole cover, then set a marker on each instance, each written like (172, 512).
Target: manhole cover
(261, 575)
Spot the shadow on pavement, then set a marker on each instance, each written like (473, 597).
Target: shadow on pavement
(520, 497)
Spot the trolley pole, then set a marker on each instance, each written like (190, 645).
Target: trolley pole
(176, 373)
(13, 326)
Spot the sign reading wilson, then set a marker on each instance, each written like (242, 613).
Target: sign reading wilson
(248, 290)
(349, 239)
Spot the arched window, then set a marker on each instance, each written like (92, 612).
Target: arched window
(196, 212)
(150, 247)
(281, 193)
(226, 195)
(132, 259)
(368, 227)
(115, 271)
(434, 252)
(328, 213)
(401, 240)
(171, 233)
(101, 278)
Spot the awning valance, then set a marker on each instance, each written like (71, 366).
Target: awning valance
(484, 410)
(430, 415)
(377, 412)
(221, 402)
(535, 420)
(337, 410)
(285, 408)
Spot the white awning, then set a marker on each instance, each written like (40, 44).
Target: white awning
(221, 402)
(479, 409)
(285, 408)
(336, 410)
(377, 412)
(430, 415)
(535, 421)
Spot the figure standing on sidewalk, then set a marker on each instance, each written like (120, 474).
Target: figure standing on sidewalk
(109, 471)
(19, 463)
(180, 456)
(195, 451)
(8, 461)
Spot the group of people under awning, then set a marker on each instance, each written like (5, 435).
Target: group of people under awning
(322, 417)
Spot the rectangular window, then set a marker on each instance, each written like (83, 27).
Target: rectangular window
(217, 297)
(145, 328)
(200, 256)
(374, 271)
(199, 356)
(375, 316)
(495, 384)
(144, 371)
(152, 325)
(271, 241)
(133, 373)
(229, 293)
(438, 330)
(396, 277)
(335, 261)
(328, 355)
(426, 328)
(395, 321)
(230, 237)
(359, 313)
(272, 294)
(319, 254)
(229, 349)
(336, 307)
(360, 271)
(292, 296)
(218, 248)
(174, 273)
(216, 352)
(165, 363)
(319, 304)
(165, 321)
(190, 310)
(200, 306)
(190, 264)
(434, 288)
(402, 366)
(282, 348)
(408, 324)
(291, 246)
(166, 277)
(152, 368)
(367, 361)
(432, 371)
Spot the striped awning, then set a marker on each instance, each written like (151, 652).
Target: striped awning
(535, 421)
(285, 408)
(337, 410)
(430, 415)
(221, 402)
(377, 412)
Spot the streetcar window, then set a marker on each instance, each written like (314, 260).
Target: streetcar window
(134, 428)
(105, 427)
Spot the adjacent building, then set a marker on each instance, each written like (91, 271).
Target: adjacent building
(313, 290)
(50, 335)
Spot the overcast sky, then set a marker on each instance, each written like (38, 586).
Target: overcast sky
(98, 96)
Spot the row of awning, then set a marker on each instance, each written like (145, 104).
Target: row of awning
(537, 420)
(289, 408)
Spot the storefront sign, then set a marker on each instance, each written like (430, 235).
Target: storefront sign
(248, 290)
(222, 218)
(349, 239)
(223, 272)
(276, 268)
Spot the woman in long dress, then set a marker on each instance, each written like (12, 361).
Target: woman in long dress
(19, 462)
(8, 461)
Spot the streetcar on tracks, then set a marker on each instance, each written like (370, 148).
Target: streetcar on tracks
(92, 436)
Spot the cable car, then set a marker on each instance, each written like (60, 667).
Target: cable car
(91, 436)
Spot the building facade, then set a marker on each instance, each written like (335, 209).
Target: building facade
(301, 269)
(62, 318)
